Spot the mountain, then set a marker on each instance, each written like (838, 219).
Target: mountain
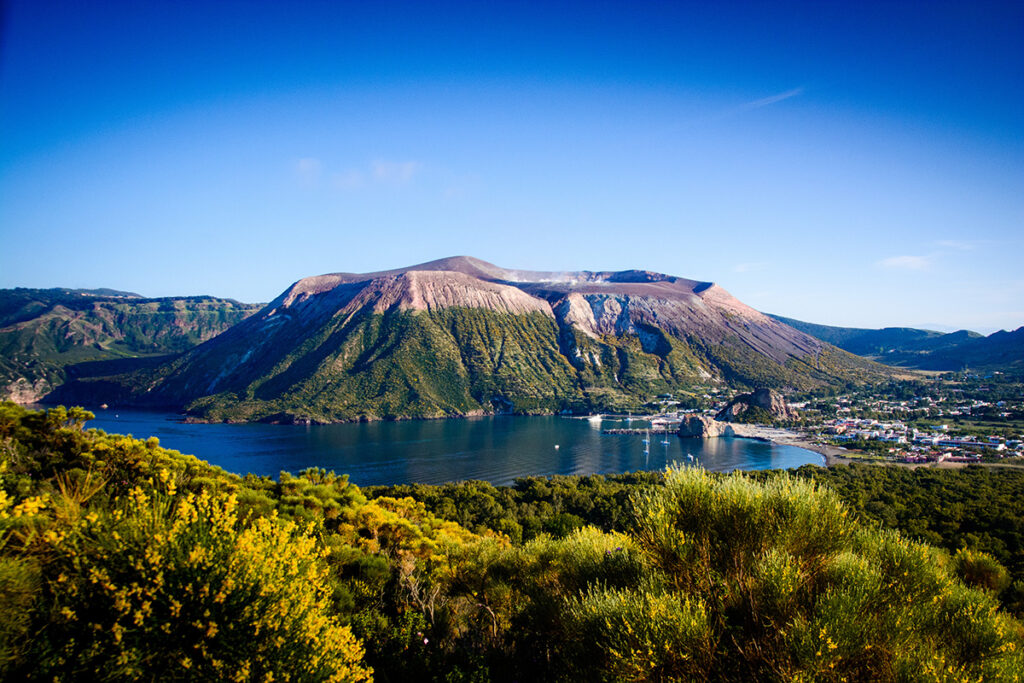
(999, 351)
(923, 349)
(460, 336)
(50, 335)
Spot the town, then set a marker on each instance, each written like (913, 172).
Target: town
(953, 418)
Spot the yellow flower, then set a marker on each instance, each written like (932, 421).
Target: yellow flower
(29, 506)
(52, 537)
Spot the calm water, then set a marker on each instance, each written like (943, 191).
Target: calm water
(494, 449)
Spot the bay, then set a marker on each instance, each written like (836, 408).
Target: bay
(496, 449)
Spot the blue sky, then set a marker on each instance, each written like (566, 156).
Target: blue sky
(855, 164)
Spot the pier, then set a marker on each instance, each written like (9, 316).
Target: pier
(633, 430)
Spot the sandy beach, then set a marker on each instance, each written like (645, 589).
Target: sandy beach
(833, 455)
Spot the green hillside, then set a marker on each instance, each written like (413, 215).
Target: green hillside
(45, 334)
(460, 361)
(869, 342)
(452, 337)
(923, 349)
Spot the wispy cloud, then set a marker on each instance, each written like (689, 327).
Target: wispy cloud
(772, 99)
(960, 245)
(308, 170)
(348, 180)
(906, 262)
(747, 267)
(394, 171)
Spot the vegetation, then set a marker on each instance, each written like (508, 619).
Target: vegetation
(977, 508)
(123, 560)
(924, 349)
(458, 361)
(48, 336)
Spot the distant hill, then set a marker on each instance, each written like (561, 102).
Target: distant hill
(104, 291)
(47, 334)
(460, 336)
(923, 349)
(1000, 350)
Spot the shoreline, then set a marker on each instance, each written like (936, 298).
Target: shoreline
(832, 455)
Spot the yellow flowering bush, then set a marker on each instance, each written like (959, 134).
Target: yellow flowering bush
(121, 560)
(180, 589)
(402, 527)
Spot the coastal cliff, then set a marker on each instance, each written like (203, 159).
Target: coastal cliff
(706, 427)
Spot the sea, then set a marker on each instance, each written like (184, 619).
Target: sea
(498, 449)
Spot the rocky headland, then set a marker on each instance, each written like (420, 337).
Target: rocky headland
(761, 403)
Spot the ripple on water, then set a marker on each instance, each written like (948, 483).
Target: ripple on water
(495, 449)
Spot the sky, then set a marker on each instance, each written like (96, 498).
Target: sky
(853, 164)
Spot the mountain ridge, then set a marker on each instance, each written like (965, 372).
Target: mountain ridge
(48, 336)
(923, 349)
(460, 336)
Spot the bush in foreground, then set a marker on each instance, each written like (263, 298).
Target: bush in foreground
(122, 560)
(774, 581)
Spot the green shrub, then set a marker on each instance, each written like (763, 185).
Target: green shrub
(19, 585)
(793, 589)
(639, 635)
(981, 570)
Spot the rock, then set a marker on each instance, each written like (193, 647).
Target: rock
(24, 391)
(768, 400)
(704, 427)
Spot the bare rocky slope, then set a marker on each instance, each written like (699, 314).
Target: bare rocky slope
(460, 336)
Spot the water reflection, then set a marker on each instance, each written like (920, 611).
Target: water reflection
(496, 449)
